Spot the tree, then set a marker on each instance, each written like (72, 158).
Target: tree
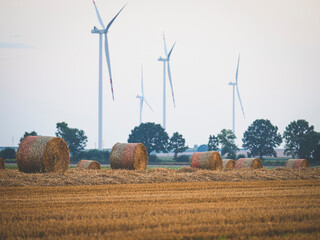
(152, 135)
(261, 138)
(226, 139)
(75, 138)
(213, 143)
(26, 134)
(94, 154)
(8, 153)
(300, 139)
(316, 150)
(177, 144)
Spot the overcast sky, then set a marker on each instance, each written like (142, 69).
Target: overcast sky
(49, 65)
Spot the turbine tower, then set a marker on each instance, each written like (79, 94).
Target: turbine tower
(235, 85)
(102, 32)
(142, 98)
(166, 62)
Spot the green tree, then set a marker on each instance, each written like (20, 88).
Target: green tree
(213, 143)
(152, 135)
(8, 153)
(178, 144)
(316, 150)
(261, 138)
(226, 139)
(26, 134)
(75, 138)
(300, 139)
(94, 154)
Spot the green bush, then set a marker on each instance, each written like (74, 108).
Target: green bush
(153, 158)
(241, 156)
(182, 158)
(8, 153)
(93, 154)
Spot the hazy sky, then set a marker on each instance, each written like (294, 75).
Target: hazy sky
(49, 65)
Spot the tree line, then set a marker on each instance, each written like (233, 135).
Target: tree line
(260, 139)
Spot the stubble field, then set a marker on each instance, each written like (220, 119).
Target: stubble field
(280, 209)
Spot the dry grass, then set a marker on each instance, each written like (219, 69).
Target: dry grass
(75, 177)
(206, 210)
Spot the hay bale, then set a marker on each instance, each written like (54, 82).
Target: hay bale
(131, 156)
(248, 163)
(228, 163)
(88, 164)
(206, 160)
(43, 154)
(2, 166)
(297, 163)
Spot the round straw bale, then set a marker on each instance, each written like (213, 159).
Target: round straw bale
(297, 163)
(132, 156)
(88, 164)
(43, 154)
(2, 166)
(228, 163)
(206, 160)
(195, 160)
(248, 163)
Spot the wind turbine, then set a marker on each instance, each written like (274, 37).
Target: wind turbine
(166, 62)
(102, 31)
(142, 98)
(235, 84)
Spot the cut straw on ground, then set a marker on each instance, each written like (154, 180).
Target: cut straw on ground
(9, 177)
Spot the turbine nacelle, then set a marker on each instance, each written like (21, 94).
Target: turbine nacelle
(99, 31)
(160, 59)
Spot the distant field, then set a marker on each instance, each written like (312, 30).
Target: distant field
(207, 210)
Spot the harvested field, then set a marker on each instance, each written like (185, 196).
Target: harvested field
(74, 177)
(206, 210)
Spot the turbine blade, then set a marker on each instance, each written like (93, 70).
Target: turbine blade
(110, 23)
(141, 104)
(165, 46)
(237, 68)
(98, 15)
(240, 101)
(108, 63)
(142, 80)
(171, 50)
(148, 104)
(170, 80)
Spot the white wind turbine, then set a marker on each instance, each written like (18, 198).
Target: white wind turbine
(166, 61)
(142, 98)
(235, 84)
(102, 31)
